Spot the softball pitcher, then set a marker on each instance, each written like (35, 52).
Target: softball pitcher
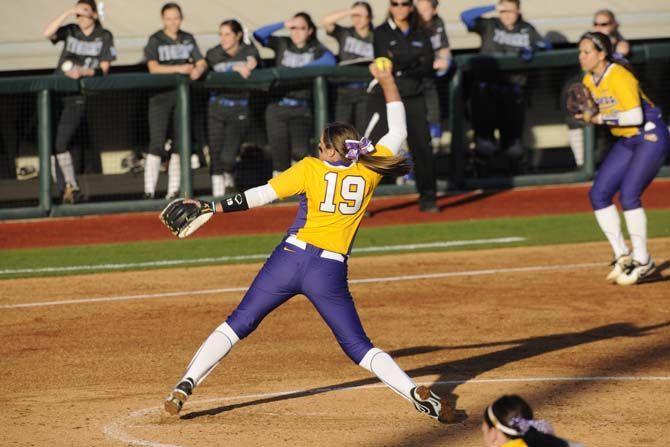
(634, 160)
(335, 190)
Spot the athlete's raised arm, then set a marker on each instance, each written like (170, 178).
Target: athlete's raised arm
(395, 109)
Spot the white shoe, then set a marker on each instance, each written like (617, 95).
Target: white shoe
(634, 272)
(618, 267)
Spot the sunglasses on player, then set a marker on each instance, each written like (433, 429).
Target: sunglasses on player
(602, 23)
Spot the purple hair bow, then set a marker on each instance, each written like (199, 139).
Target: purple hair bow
(357, 148)
(524, 425)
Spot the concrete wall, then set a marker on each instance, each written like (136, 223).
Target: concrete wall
(132, 21)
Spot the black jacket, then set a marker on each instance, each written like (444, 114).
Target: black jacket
(412, 55)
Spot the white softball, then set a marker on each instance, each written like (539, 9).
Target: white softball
(66, 66)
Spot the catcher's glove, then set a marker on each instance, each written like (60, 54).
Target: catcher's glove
(579, 101)
(184, 216)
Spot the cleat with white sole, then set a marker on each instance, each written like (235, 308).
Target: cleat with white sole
(618, 267)
(634, 272)
(432, 405)
(179, 395)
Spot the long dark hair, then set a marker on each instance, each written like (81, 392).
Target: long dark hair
(504, 414)
(94, 7)
(368, 8)
(414, 19)
(603, 43)
(310, 24)
(336, 133)
(235, 27)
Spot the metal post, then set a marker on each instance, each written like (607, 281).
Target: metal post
(458, 144)
(589, 151)
(184, 125)
(320, 105)
(44, 147)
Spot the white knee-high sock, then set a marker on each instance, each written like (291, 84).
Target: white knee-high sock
(174, 174)
(152, 164)
(610, 222)
(65, 163)
(228, 179)
(576, 139)
(215, 348)
(382, 365)
(636, 222)
(218, 187)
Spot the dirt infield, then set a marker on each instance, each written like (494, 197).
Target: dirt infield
(592, 358)
(385, 211)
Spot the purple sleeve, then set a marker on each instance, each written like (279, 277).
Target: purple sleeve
(470, 16)
(263, 34)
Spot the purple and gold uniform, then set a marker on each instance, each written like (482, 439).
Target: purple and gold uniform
(333, 200)
(641, 149)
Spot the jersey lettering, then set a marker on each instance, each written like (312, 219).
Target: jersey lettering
(520, 40)
(352, 191)
(174, 52)
(82, 48)
(358, 47)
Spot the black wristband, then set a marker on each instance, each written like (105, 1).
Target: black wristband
(238, 202)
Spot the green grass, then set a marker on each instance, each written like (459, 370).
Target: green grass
(542, 230)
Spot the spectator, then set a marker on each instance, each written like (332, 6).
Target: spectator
(497, 99)
(605, 22)
(168, 51)
(289, 122)
(228, 117)
(355, 46)
(405, 40)
(436, 90)
(508, 422)
(88, 51)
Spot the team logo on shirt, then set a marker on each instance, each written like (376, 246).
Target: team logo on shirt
(83, 48)
(292, 59)
(520, 39)
(358, 47)
(175, 52)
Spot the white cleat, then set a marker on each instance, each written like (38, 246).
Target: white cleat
(618, 267)
(432, 405)
(634, 272)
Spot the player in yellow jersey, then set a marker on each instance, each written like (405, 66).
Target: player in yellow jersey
(508, 422)
(334, 189)
(641, 149)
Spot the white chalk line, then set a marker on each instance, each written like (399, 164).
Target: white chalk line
(117, 429)
(352, 282)
(252, 257)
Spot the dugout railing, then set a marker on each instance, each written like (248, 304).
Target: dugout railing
(42, 90)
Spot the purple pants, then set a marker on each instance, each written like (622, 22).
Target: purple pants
(630, 167)
(291, 270)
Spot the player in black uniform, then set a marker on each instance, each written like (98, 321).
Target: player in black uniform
(169, 50)
(405, 40)
(355, 47)
(88, 51)
(228, 116)
(436, 90)
(498, 100)
(289, 122)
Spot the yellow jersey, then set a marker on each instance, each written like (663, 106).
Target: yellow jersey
(618, 91)
(515, 443)
(333, 199)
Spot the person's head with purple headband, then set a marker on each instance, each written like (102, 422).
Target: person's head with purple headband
(509, 421)
(341, 145)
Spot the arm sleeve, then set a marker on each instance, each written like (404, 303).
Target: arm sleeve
(151, 50)
(263, 34)
(326, 58)
(397, 125)
(260, 195)
(469, 16)
(290, 182)
(60, 34)
(108, 52)
(632, 117)
(195, 52)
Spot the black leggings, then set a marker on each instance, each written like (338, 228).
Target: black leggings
(161, 112)
(227, 126)
(74, 110)
(498, 105)
(418, 139)
(289, 131)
